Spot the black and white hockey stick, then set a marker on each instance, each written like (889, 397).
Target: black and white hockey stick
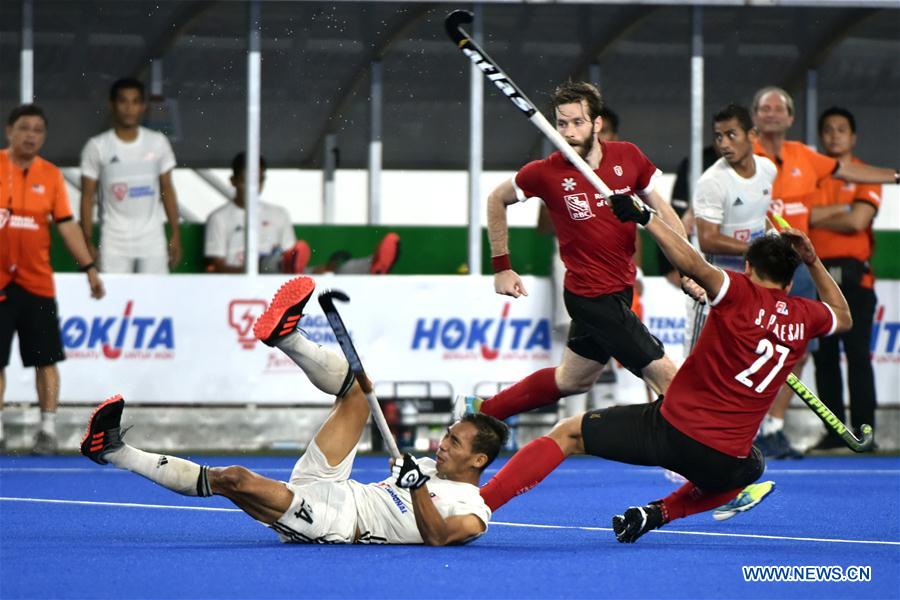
(830, 420)
(494, 73)
(326, 301)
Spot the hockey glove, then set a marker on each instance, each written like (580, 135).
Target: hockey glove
(408, 474)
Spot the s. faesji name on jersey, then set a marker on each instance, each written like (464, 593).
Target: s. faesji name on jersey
(786, 332)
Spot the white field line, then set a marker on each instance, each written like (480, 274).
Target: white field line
(640, 471)
(501, 523)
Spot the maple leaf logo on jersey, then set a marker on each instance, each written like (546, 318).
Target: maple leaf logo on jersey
(781, 307)
(568, 184)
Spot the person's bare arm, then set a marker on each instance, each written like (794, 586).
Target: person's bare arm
(668, 215)
(828, 290)
(506, 282)
(73, 238)
(862, 173)
(665, 211)
(713, 241)
(685, 257)
(858, 218)
(170, 204)
(88, 193)
(435, 529)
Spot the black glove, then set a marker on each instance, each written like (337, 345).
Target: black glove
(629, 209)
(409, 475)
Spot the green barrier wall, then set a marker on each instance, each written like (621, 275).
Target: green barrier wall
(443, 250)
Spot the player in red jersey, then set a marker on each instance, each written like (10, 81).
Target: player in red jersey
(597, 252)
(705, 426)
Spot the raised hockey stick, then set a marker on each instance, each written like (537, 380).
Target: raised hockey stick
(326, 301)
(494, 73)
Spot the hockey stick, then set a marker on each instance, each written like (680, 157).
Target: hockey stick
(492, 71)
(830, 420)
(326, 301)
(812, 401)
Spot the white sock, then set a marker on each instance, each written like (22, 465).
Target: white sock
(48, 422)
(771, 425)
(326, 369)
(179, 475)
(1, 424)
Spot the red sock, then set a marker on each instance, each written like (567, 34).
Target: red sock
(690, 500)
(525, 469)
(536, 390)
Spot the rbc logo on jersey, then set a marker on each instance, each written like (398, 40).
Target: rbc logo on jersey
(578, 206)
(781, 307)
(482, 337)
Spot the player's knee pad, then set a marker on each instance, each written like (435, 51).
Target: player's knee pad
(753, 468)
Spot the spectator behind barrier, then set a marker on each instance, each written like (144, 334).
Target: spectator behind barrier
(129, 168)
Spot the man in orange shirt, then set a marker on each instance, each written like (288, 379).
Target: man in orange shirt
(841, 230)
(32, 192)
(801, 173)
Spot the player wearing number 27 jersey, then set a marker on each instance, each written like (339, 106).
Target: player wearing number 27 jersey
(751, 341)
(704, 425)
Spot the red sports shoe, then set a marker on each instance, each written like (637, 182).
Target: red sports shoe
(104, 432)
(386, 254)
(284, 312)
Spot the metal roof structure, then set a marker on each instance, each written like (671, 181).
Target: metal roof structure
(316, 59)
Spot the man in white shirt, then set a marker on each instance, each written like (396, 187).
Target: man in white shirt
(224, 245)
(129, 168)
(730, 202)
(435, 502)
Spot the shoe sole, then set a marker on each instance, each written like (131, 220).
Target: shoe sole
(724, 516)
(88, 435)
(285, 310)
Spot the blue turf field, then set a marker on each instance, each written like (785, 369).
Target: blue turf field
(554, 541)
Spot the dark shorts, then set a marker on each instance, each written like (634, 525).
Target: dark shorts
(36, 320)
(638, 434)
(605, 327)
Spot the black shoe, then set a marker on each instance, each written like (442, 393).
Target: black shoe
(284, 312)
(104, 433)
(636, 521)
(767, 444)
(784, 448)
